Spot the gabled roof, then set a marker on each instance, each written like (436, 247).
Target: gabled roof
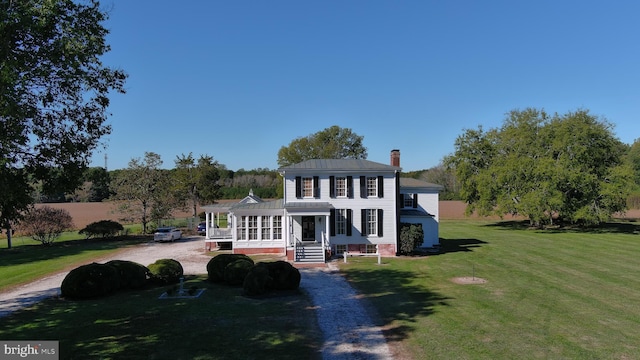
(410, 184)
(338, 165)
(251, 199)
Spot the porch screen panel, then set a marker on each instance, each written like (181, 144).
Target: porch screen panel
(241, 230)
(252, 227)
(266, 227)
(277, 227)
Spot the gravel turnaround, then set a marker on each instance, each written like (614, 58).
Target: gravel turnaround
(347, 329)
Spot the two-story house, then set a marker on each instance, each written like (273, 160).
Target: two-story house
(330, 206)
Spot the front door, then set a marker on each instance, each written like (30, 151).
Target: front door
(308, 228)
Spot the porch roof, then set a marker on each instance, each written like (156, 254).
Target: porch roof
(308, 207)
(414, 212)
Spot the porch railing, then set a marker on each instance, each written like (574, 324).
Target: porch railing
(218, 233)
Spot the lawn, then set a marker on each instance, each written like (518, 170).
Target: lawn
(548, 295)
(29, 260)
(220, 324)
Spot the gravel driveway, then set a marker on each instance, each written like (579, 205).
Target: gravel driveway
(349, 332)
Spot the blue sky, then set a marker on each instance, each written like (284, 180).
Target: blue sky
(237, 80)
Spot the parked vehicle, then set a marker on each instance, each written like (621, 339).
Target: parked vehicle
(202, 228)
(170, 233)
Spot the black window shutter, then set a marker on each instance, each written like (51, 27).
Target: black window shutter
(380, 186)
(316, 187)
(298, 186)
(350, 187)
(401, 200)
(332, 186)
(332, 222)
(415, 201)
(363, 187)
(363, 221)
(380, 222)
(349, 223)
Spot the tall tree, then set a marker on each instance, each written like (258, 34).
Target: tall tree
(143, 190)
(331, 143)
(55, 93)
(567, 167)
(196, 181)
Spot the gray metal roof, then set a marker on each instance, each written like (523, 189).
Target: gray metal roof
(340, 165)
(410, 183)
(308, 205)
(265, 205)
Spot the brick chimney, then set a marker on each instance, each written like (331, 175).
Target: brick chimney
(395, 158)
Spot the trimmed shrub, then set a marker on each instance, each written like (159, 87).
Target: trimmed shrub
(165, 271)
(217, 264)
(235, 272)
(132, 275)
(411, 236)
(284, 275)
(102, 228)
(257, 281)
(89, 281)
(266, 276)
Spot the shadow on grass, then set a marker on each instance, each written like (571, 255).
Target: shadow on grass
(397, 298)
(137, 325)
(458, 245)
(615, 227)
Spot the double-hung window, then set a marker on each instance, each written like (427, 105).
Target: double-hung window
(372, 221)
(408, 200)
(372, 186)
(307, 187)
(341, 221)
(341, 187)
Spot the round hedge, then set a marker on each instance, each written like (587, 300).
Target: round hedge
(165, 271)
(257, 281)
(132, 275)
(217, 264)
(235, 272)
(284, 275)
(89, 281)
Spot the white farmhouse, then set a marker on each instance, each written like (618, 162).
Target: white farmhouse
(330, 206)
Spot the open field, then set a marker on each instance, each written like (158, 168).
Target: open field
(85, 213)
(544, 294)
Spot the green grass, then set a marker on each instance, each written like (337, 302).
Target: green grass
(220, 324)
(29, 260)
(549, 294)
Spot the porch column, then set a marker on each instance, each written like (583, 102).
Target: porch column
(206, 226)
(327, 218)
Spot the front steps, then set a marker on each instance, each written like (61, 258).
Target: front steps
(309, 253)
